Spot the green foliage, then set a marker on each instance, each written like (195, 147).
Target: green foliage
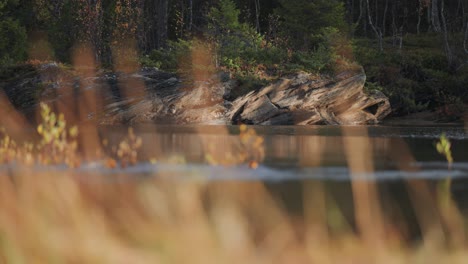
(13, 41)
(246, 83)
(304, 21)
(269, 55)
(175, 58)
(416, 78)
(234, 45)
(244, 52)
(4, 4)
(299, 35)
(444, 148)
(225, 17)
(232, 39)
(371, 86)
(316, 61)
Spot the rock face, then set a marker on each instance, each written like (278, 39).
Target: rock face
(300, 99)
(172, 101)
(305, 99)
(153, 96)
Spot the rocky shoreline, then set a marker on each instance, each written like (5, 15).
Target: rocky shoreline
(154, 96)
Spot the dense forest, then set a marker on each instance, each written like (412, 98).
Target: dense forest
(414, 51)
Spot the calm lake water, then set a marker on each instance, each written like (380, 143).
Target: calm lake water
(301, 161)
(305, 166)
(301, 152)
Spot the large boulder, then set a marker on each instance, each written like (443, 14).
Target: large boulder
(307, 99)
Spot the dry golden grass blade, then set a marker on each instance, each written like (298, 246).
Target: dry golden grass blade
(125, 57)
(40, 49)
(422, 198)
(202, 62)
(369, 219)
(87, 102)
(13, 121)
(316, 222)
(439, 222)
(47, 216)
(313, 150)
(314, 200)
(198, 69)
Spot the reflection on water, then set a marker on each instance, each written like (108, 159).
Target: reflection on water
(302, 152)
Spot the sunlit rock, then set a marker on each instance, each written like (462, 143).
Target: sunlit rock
(307, 99)
(154, 96)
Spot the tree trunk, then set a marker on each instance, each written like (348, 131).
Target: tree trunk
(448, 50)
(401, 38)
(460, 9)
(376, 7)
(349, 11)
(257, 15)
(394, 27)
(429, 18)
(384, 19)
(361, 12)
(465, 39)
(464, 19)
(162, 23)
(190, 15)
(420, 12)
(435, 16)
(376, 30)
(157, 16)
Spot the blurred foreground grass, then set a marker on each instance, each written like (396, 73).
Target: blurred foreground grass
(50, 216)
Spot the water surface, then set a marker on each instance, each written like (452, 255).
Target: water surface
(300, 152)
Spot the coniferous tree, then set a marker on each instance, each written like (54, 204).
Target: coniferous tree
(304, 20)
(12, 34)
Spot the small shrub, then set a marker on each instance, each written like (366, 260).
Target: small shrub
(372, 86)
(246, 83)
(13, 41)
(176, 57)
(316, 61)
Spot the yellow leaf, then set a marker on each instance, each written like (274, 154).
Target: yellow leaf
(73, 131)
